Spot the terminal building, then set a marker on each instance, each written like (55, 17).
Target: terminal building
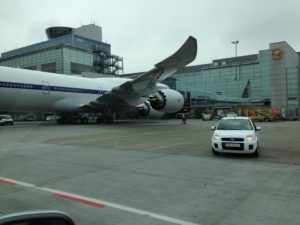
(67, 51)
(269, 79)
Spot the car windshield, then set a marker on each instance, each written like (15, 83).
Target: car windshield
(235, 124)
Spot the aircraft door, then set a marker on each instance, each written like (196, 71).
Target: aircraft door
(45, 88)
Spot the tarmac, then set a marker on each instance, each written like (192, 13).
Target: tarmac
(149, 172)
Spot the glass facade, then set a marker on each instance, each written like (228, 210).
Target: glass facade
(37, 60)
(223, 84)
(293, 87)
(75, 57)
(264, 73)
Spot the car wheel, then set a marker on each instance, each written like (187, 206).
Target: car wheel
(214, 152)
(255, 154)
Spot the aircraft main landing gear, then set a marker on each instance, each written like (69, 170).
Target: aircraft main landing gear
(105, 119)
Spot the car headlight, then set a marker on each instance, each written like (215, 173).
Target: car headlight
(216, 137)
(250, 137)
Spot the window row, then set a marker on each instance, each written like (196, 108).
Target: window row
(15, 85)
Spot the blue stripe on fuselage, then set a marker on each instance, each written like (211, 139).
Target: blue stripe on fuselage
(45, 87)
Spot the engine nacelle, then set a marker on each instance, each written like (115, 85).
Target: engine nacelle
(167, 100)
(146, 110)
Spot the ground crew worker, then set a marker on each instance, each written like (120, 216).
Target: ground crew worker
(183, 118)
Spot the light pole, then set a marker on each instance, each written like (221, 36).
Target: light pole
(235, 43)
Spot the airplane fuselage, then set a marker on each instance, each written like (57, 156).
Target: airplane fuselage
(26, 90)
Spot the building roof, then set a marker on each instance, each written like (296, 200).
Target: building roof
(217, 63)
(238, 60)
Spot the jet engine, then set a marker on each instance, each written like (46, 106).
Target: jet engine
(146, 110)
(166, 100)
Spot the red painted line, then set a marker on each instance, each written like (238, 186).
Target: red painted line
(79, 200)
(2, 181)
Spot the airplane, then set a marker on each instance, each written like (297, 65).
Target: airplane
(35, 91)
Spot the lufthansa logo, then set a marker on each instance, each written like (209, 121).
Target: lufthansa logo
(277, 53)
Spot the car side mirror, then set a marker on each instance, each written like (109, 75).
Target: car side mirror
(258, 128)
(213, 128)
(37, 217)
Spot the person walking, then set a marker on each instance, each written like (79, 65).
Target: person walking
(183, 118)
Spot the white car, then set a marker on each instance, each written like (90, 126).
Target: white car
(235, 135)
(6, 120)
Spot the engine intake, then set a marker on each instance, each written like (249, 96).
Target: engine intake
(166, 100)
(146, 110)
(158, 100)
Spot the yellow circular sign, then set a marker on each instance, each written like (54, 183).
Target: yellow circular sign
(277, 53)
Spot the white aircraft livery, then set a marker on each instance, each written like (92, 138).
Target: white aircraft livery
(34, 91)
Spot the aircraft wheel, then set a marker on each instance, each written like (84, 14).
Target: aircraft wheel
(84, 120)
(214, 152)
(108, 119)
(100, 119)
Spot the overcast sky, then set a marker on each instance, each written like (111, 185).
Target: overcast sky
(144, 32)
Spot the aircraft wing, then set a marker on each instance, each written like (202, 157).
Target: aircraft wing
(184, 55)
(129, 92)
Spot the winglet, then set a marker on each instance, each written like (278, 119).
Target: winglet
(184, 55)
